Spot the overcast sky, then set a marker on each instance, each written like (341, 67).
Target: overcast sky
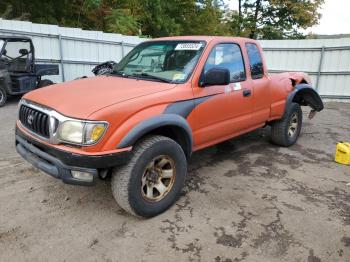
(335, 17)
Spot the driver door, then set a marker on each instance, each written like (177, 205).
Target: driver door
(223, 112)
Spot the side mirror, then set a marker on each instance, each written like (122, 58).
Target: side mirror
(23, 52)
(215, 76)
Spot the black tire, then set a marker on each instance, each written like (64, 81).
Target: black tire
(127, 181)
(3, 96)
(44, 82)
(282, 133)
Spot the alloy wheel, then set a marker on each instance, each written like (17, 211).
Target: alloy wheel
(158, 178)
(293, 125)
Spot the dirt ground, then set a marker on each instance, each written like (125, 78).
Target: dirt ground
(244, 200)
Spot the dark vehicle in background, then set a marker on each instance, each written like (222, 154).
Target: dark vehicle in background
(104, 68)
(19, 73)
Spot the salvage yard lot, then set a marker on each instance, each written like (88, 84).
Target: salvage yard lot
(244, 200)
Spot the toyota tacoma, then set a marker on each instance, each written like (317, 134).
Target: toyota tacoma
(166, 99)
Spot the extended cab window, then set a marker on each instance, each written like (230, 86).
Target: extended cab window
(227, 56)
(255, 61)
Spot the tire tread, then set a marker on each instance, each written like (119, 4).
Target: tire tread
(3, 90)
(279, 128)
(121, 176)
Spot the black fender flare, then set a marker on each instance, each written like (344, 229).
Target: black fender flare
(164, 120)
(305, 95)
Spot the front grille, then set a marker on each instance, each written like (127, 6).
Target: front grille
(36, 121)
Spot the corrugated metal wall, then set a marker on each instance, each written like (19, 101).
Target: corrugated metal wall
(78, 51)
(326, 60)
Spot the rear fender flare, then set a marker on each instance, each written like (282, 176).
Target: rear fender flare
(305, 95)
(153, 123)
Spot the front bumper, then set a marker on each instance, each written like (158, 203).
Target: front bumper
(60, 164)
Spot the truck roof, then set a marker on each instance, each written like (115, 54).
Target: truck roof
(6, 37)
(205, 38)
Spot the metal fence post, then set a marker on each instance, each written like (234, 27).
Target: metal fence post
(320, 68)
(61, 56)
(123, 51)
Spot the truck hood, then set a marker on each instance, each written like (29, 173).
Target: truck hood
(80, 98)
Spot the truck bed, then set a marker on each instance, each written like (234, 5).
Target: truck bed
(46, 69)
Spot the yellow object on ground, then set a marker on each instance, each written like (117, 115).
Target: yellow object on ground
(342, 153)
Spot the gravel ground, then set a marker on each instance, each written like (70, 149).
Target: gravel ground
(244, 200)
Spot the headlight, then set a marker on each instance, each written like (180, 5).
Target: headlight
(80, 132)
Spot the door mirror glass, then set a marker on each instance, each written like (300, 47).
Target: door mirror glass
(216, 76)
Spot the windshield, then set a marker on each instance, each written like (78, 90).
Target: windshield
(166, 61)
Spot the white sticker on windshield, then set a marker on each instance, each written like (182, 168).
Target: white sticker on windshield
(188, 46)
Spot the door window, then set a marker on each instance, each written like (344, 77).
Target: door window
(255, 61)
(227, 56)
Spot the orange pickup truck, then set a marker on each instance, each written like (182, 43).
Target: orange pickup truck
(166, 99)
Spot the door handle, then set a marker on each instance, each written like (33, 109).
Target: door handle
(247, 92)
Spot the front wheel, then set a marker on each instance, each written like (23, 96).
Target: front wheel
(152, 180)
(3, 96)
(285, 132)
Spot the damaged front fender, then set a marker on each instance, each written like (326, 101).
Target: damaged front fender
(305, 95)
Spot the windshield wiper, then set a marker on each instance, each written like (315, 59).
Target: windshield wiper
(146, 75)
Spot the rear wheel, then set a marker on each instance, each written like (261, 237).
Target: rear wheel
(285, 132)
(3, 96)
(44, 82)
(152, 181)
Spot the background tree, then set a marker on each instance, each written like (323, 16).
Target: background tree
(275, 19)
(269, 19)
